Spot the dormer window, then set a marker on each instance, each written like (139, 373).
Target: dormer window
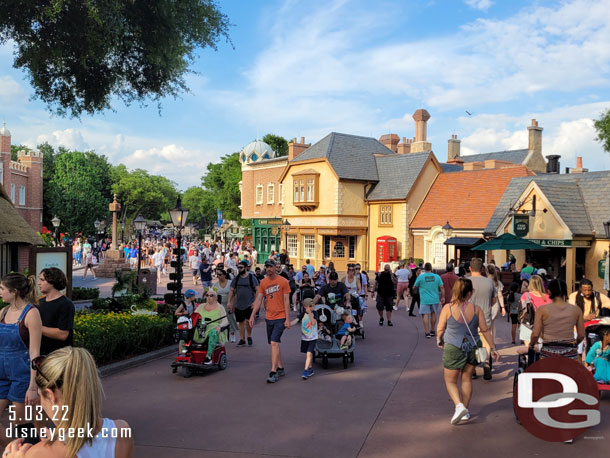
(306, 189)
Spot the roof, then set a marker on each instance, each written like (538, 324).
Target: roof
(466, 199)
(397, 174)
(351, 156)
(13, 228)
(448, 168)
(576, 197)
(464, 241)
(516, 156)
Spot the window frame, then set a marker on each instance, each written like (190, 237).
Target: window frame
(306, 189)
(351, 247)
(280, 192)
(309, 251)
(22, 195)
(292, 246)
(259, 187)
(386, 215)
(13, 188)
(271, 187)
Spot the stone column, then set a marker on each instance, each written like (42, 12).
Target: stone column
(570, 268)
(114, 207)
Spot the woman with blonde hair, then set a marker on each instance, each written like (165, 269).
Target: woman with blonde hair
(71, 396)
(536, 297)
(20, 336)
(458, 335)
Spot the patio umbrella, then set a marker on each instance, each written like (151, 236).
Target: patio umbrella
(508, 242)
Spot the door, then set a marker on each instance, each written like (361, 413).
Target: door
(338, 255)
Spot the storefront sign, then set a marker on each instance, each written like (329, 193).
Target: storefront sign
(601, 268)
(521, 225)
(268, 222)
(561, 243)
(45, 257)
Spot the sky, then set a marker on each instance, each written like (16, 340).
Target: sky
(482, 68)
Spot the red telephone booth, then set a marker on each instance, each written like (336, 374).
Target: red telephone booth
(387, 250)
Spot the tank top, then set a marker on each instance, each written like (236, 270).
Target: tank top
(24, 332)
(352, 286)
(101, 447)
(458, 335)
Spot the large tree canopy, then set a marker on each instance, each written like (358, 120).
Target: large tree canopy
(602, 126)
(222, 185)
(79, 54)
(277, 143)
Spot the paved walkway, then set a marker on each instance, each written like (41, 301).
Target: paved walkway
(391, 403)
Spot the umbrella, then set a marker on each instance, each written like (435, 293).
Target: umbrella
(508, 242)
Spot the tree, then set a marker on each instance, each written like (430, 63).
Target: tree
(48, 170)
(200, 204)
(15, 150)
(79, 54)
(277, 143)
(602, 126)
(222, 183)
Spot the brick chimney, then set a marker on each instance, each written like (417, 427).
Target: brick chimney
(420, 144)
(579, 168)
(535, 138)
(453, 151)
(390, 141)
(5, 139)
(405, 146)
(294, 148)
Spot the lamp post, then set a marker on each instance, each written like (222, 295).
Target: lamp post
(286, 227)
(179, 214)
(139, 223)
(448, 232)
(122, 232)
(56, 222)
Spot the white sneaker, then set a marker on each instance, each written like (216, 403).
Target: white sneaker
(466, 417)
(395, 308)
(460, 412)
(232, 338)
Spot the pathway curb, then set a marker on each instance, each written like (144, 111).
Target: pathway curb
(130, 363)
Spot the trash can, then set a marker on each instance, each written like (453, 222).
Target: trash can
(147, 281)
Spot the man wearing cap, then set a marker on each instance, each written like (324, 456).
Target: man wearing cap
(276, 291)
(334, 293)
(243, 291)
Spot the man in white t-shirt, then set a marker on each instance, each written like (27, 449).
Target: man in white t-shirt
(158, 259)
(194, 262)
(402, 287)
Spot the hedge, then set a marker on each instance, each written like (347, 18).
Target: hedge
(81, 294)
(115, 336)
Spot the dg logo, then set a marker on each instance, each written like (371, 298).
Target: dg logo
(556, 399)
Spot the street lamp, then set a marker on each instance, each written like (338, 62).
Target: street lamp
(139, 223)
(286, 226)
(179, 214)
(448, 232)
(122, 232)
(56, 222)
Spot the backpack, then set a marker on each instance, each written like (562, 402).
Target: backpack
(527, 314)
(251, 281)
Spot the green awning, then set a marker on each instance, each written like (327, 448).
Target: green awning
(508, 242)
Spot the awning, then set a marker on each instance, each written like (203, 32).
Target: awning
(464, 241)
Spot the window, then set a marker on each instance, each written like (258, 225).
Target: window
(270, 193)
(306, 190)
(385, 215)
(310, 190)
(296, 191)
(439, 250)
(292, 247)
(352, 247)
(259, 194)
(327, 246)
(21, 195)
(280, 194)
(1, 173)
(13, 192)
(339, 251)
(302, 194)
(309, 246)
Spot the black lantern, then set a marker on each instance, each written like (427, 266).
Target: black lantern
(448, 232)
(179, 215)
(139, 223)
(56, 222)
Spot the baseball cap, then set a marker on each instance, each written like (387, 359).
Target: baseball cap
(541, 272)
(243, 263)
(190, 293)
(308, 301)
(270, 263)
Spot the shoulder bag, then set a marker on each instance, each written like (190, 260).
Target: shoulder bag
(480, 353)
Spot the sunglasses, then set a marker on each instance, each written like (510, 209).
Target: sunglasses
(36, 366)
(210, 295)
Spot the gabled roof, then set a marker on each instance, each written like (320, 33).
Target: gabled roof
(13, 227)
(397, 174)
(516, 156)
(579, 199)
(466, 199)
(351, 156)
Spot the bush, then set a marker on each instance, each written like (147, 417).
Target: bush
(81, 294)
(115, 336)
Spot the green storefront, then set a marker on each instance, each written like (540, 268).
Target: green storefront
(266, 236)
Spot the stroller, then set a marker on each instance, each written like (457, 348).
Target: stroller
(523, 362)
(328, 345)
(191, 358)
(355, 306)
(592, 329)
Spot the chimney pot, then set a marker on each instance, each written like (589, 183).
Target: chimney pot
(302, 140)
(534, 123)
(404, 140)
(294, 140)
(579, 162)
(421, 117)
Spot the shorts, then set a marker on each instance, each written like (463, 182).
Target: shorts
(401, 287)
(308, 346)
(514, 318)
(385, 303)
(206, 283)
(427, 309)
(195, 272)
(243, 315)
(15, 376)
(275, 329)
(454, 358)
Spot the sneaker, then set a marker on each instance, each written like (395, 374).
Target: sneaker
(466, 417)
(432, 333)
(310, 372)
(249, 341)
(486, 371)
(380, 321)
(207, 360)
(428, 336)
(232, 338)
(280, 372)
(395, 308)
(241, 343)
(272, 377)
(390, 323)
(344, 347)
(460, 412)
(305, 375)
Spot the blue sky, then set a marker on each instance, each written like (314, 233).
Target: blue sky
(306, 68)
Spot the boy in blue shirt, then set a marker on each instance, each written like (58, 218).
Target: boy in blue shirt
(309, 335)
(346, 331)
(431, 294)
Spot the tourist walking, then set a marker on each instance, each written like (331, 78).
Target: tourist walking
(89, 265)
(498, 306)
(484, 296)
(449, 278)
(385, 294)
(432, 293)
(223, 289)
(158, 260)
(514, 301)
(402, 287)
(276, 291)
(309, 335)
(56, 311)
(459, 339)
(415, 298)
(194, 263)
(244, 288)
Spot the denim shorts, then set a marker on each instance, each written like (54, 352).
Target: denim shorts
(275, 328)
(426, 309)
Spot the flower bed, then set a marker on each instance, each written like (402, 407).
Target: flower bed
(115, 336)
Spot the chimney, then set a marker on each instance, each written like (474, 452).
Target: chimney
(5, 139)
(405, 146)
(294, 148)
(420, 144)
(390, 141)
(535, 138)
(579, 168)
(553, 165)
(454, 148)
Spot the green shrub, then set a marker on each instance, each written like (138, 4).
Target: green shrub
(115, 336)
(81, 294)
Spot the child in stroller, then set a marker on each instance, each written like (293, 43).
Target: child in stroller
(346, 331)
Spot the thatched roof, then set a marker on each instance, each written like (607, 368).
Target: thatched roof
(13, 228)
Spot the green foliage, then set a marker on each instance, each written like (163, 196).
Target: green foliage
(81, 294)
(47, 238)
(200, 205)
(80, 54)
(221, 184)
(124, 282)
(602, 126)
(15, 149)
(48, 170)
(115, 336)
(277, 143)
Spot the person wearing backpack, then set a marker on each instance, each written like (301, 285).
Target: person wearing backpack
(243, 292)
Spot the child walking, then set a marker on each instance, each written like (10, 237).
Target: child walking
(309, 335)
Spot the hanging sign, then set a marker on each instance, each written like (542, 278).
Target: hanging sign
(521, 225)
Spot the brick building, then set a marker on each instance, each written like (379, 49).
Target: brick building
(22, 180)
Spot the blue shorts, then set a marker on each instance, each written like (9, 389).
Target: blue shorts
(308, 346)
(426, 309)
(275, 328)
(15, 376)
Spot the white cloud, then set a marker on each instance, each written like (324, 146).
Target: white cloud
(69, 138)
(482, 5)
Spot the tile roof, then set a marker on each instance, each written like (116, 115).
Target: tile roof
(448, 168)
(466, 199)
(516, 156)
(576, 197)
(351, 156)
(397, 174)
